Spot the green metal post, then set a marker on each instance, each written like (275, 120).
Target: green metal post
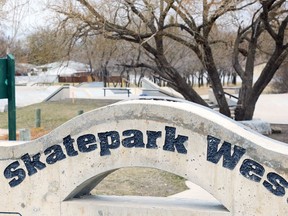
(11, 97)
(7, 90)
(3, 79)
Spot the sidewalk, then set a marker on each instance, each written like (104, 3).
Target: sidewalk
(195, 192)
(272, 108)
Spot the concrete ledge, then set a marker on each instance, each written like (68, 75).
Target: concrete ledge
(160, 206)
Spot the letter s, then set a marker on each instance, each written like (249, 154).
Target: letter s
(275, 184)
(18, 175)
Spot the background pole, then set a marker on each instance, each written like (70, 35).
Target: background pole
(11, 97)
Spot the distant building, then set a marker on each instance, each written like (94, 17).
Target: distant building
(67, 71)
(24, 69)
(65, 68)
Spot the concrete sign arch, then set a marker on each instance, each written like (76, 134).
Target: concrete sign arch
(53, 175)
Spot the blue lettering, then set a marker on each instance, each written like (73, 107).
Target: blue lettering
(214, 155)
(56, 154)
(275, 184)
(31, 165)
(18, 175)
(152, 136)
(249, 168)
(171, 142)
(135, 139)
(68, 142)
(86, 143)
(106, 145)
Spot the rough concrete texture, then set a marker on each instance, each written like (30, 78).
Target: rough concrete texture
(246, 172)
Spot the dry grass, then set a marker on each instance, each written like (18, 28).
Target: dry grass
(138, 181)
(53, 114)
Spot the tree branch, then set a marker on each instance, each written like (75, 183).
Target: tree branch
(185, 43)
(235, 57)
(163, 14)
(184, 16)
(150, 23)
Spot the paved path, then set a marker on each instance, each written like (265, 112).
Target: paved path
(27, 95)
(272, 108)
(195, 192)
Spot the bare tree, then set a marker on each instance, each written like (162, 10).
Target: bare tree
(149, 25)
(2, 12)
(271, 18)
(140, 24)
(279, 82)
(3, 38)
(45, 46)
(13, 13)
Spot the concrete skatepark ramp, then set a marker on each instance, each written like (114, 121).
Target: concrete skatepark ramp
(53, 175)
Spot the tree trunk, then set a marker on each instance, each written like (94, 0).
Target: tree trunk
(186, 90)
(234, 79)
(176, 81)
(243, 113)
(249, 95)
(215, 80)
(245, 108)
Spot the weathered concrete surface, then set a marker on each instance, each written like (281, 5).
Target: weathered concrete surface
(246, 172)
